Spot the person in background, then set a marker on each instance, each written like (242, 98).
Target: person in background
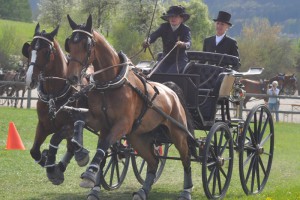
(273, 102)
(173, 32)
(221, 42)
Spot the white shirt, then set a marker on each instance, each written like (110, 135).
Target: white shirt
(174, 28)
(219, 38)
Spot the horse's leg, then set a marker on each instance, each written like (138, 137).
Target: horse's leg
(55, 172)
(16, 100)
(39, 139)
(181, 143)
(143, 144)
(23, 94)
(81, 154)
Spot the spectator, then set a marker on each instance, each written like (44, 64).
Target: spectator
(274, 101)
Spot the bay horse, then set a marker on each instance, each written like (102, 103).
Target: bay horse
(286, 83)
(122, 103)
(19, 78)
(255, 87)
(47, 72)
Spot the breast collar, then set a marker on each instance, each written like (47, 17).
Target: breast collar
(120, 78)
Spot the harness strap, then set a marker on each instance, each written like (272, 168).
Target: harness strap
(138, 121)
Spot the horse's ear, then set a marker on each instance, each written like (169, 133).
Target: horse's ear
(37, 28)
(54, 32)
(25, 48)
(71, 22)
(67, 45)
(89, 24)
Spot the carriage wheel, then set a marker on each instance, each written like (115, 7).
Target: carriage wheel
(139, 165)
(217, 161)
(115, 166)
(257, 148)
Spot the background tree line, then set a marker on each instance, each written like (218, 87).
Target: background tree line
(126, 23)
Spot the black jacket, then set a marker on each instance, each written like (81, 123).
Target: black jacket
(169, 39)
(227, 45)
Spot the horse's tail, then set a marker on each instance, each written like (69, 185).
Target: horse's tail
(190, 122)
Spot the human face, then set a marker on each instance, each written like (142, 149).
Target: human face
(221, 28)
(175, 20)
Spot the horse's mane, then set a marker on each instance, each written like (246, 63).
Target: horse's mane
(95, 33)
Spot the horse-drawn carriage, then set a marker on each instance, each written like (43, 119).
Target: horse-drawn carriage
(139, 118)
(208, 89)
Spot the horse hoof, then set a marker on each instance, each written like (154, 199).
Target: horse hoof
(88, 179)
(82, 157)
(185, 195)
(55, 176)
(86, 183)
(93, 195)
(139, 195)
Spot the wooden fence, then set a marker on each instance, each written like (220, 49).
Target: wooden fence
(287, 110)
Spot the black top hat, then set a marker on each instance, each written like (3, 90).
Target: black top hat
(224, 17)
(176, 10)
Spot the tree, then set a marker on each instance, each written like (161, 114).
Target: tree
(17, 10)
(261, 45)
(101, 11)
(52, 12)
(199, 22)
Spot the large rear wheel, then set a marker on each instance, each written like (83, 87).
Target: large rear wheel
(257, 148)
(217, 161)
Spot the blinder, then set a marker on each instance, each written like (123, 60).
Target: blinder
(67, 48)
(25, 49)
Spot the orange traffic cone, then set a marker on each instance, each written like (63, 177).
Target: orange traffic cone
(13, 139)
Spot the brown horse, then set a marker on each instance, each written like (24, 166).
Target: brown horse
(47, 70)
(121, 103)
(286, 83)
(255, 87)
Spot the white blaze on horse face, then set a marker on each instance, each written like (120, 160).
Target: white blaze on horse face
(30, 68)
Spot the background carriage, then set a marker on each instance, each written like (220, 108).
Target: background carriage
(208, 89)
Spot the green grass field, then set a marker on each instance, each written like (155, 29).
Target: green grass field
(22, 178)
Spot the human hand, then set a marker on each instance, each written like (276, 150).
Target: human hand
(181, 44)
(145, 44)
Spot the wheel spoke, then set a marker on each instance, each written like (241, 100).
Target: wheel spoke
(250, 168)
(265, 140)
(257, 174)
(262, 165)
(142, 166)
(219, 182)
(253, 174)
(112, 172)
(107, 168)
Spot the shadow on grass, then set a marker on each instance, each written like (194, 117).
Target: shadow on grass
(111, 195)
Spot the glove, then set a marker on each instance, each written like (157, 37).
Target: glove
(145, 44)
(181, 44)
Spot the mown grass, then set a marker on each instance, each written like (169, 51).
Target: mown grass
(21, 178)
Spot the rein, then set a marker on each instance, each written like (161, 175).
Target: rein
(156, 67)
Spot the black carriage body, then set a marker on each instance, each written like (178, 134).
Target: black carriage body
(201, 84)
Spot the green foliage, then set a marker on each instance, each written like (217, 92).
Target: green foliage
(18, 10)
(12, 36)
(261, 45)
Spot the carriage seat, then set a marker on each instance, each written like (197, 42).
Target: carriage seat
(218, 59)
(210, 76)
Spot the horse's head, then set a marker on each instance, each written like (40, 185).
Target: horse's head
(39, 53)
(79, 46)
